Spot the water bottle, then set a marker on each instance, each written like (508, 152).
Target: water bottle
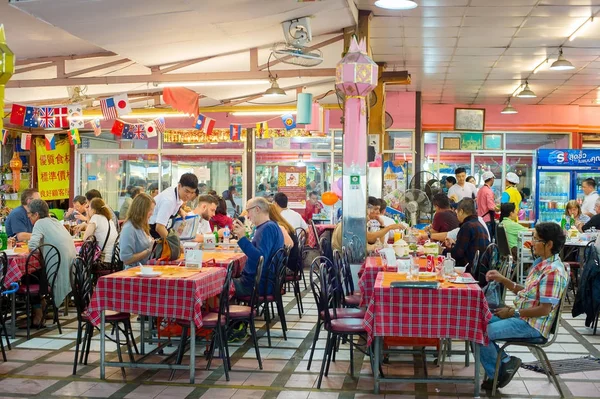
(3, 239)
(226, 235)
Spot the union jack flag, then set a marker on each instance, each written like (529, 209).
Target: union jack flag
(46, 117)
(138, 132)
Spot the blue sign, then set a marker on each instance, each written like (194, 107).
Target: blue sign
(583, 157)
(92, 178)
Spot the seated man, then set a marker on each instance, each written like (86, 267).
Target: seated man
(594, 220)
(18, 224)
(292, 217)
(78, 212)
(472, 236)
(444, 218)
(207, 204)
(267, 240)
(535, 305)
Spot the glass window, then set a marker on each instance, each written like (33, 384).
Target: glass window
(194, 139)
(533, 141)
(297, 143)
(109, 140)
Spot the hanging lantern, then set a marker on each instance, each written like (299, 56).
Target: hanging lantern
(15, 166)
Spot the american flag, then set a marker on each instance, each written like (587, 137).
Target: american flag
(46, 117)
(109, 111)
(160, 124)
(138, 132)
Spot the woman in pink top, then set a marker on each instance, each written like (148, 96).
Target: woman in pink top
(485, 199)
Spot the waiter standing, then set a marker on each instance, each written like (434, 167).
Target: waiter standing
(169, 202)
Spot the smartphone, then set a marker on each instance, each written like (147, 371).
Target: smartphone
(241, 219)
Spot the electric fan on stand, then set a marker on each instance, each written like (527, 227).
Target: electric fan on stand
(416, 206)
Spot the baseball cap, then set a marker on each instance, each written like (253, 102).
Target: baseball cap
(487, 175)
(512, 177)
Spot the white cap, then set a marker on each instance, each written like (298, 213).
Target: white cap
(512, 177)
(487, 175)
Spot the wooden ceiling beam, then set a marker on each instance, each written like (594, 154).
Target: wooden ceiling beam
(35, 67)
(96, 68)
(38, 60)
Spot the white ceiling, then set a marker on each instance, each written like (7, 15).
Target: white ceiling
(457, 51)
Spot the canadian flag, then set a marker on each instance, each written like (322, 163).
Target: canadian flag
(150, 128)
(122, 104)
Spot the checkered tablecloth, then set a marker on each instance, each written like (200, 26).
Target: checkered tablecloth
(457, 311)
(311, 240)
(177, 294)
(210, 259)
(368, 274)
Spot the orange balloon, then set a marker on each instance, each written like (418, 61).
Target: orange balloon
(329, 198)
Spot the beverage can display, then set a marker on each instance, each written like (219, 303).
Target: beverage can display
(430, 263)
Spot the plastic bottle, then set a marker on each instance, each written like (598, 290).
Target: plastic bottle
(563, 222)
(216, 233)
(3, 239)
(226, 235)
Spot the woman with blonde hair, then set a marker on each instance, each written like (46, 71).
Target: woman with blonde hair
(102, 227)
(290, 239)
(573, 214)
(135, 240)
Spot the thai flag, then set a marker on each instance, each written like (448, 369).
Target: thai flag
(50, 142)
(46, 117)
(109, 110)
(205, 124)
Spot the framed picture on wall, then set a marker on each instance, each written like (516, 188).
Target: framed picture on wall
(451, 143)
(469, 119)
(492, 142)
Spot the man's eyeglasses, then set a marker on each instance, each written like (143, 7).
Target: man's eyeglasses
(252, 207)
(536, 240)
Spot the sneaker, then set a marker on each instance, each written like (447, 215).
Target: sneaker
(237, 332)
(508, 371)
(488, 384)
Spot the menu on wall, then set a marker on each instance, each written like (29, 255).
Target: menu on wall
(53, 169)
(292, 182)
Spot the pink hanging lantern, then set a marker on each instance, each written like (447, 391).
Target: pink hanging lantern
(356, 77)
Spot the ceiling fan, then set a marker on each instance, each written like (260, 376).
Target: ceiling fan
(77, 96)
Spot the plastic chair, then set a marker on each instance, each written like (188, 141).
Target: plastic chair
(537, 345)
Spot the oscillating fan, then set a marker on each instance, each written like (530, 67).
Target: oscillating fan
(427, 182)
(416, 205)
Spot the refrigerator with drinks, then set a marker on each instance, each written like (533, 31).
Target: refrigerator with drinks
(559, 174)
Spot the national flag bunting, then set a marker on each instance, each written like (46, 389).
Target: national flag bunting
(138, 131)
(205, 124)
(74, 138)
(25, 141)
(126, 132)
(122, 105)
(61, 117)
(117, 128)
(75, 116)
(46, 117)
(96, 126)
(235, 131)
(31, 117)
(50, 142)
(160, 124)
(150, 128)
(262, 130)
(17, 115)
(5, 136)
(109, 111)
(288, 121)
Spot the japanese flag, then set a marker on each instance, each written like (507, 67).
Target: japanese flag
(122, 104)
(150, 128)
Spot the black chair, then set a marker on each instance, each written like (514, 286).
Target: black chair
(492, 214)
(82, 289)
(325, 247)
(41, 284)
(488, 260)
(502, 241)
(3, 292)
(320, 280)
(88, 250)
(215, 321)
(537, 345)
(247, 313)
(115, 262)
(351, 299)
(302, 237)
(297, 274)
(311, 225)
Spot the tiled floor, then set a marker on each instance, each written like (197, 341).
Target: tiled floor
(42, 367)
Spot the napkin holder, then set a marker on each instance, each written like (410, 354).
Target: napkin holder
(190, 246)
(193, 259)
(209, 241)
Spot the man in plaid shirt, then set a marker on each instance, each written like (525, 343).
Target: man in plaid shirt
(535, 305)
(472, 236)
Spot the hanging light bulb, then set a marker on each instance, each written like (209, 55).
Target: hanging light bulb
(274, 90)
(526, 92)
(561, 64)
(509, 109)
(396, 4)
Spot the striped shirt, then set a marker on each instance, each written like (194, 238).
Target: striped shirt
(545, 283)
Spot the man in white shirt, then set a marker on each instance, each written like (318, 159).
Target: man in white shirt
(591, 195)
(293, 218)
(207, 204)
(169, 202)
(462, 188)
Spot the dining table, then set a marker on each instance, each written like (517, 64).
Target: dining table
(219, 258)
(311, 239)
(447, 311)
(177, 293)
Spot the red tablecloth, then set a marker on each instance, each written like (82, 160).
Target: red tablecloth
(178, 293)
(311, 240)
(457, 311)
(368, 274)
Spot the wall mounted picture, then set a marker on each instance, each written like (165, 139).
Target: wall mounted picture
(469, 119)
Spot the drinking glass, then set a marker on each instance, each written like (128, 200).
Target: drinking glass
(414, 268)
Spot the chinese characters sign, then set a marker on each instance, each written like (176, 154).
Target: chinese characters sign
(53, 170)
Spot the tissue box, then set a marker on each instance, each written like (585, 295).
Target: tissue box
(190, 245)
(193, 259)
(209, 241)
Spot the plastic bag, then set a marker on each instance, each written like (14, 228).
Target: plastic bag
(493, 295)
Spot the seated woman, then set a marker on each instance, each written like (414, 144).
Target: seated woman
(574, 216)
(290, 239)
(508, 219)
(103, 228)
(135, 240)
(221, 219)
(47, 230)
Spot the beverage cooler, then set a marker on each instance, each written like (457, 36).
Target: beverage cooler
(559, 174)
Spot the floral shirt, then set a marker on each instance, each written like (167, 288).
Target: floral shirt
(545, 283)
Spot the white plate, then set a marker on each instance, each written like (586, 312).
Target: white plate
(151, 274)
(460, 280)
(10, 252)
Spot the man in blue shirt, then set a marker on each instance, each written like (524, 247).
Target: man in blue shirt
(17, 223)
(267, 240)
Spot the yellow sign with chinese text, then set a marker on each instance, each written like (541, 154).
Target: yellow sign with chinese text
(53, 169)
